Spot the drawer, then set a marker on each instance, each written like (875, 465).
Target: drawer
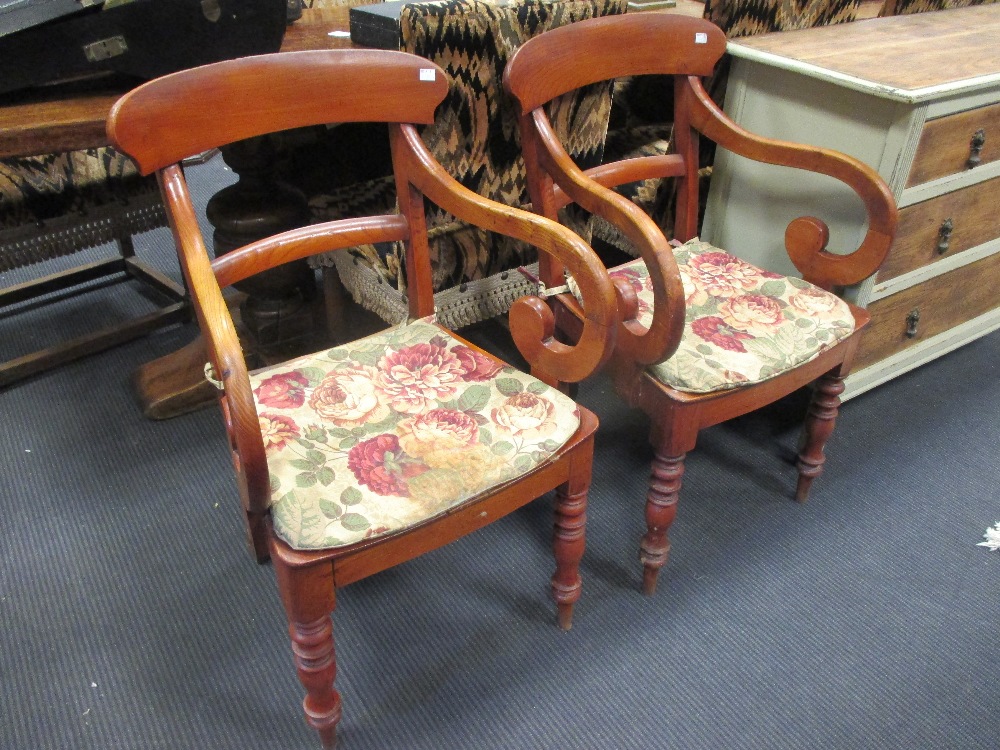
(941, 303)
(944, 226)
(946, 143)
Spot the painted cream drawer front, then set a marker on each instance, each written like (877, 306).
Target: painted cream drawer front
(927, 121)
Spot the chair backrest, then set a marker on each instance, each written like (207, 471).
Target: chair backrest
(687, 49)
(170, 118)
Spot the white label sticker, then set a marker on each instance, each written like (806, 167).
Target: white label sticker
(700, 37)
(427, 74)
(340, 34)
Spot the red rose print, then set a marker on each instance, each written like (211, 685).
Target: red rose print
(477, 366)
(285, 390)
(714, 330)
(381, 464)
(276, 430)
(413, 378)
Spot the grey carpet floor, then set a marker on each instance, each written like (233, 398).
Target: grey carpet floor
(132, 615)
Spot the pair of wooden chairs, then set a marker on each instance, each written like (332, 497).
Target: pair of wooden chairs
(355, 459)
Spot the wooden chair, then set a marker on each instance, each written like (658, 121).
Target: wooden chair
(352, 460)
(705, 336)
(642, 123)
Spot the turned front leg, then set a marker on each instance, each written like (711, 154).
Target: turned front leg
(316, 662)
(309, 598)
(819, 426)
(661, 508)
(568, 543)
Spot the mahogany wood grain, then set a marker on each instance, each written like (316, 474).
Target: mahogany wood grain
(161, 122)
(686, 48)
(935, 301)
(945, 143)
(973, 216)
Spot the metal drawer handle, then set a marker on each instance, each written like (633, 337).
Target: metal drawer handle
(976, 148)
(911, 322)
(944, 235)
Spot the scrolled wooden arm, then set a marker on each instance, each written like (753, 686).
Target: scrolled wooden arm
(806, 237)
(591, 191)
(219, 332)
(532, 323)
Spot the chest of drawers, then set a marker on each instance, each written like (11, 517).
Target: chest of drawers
(918, 99)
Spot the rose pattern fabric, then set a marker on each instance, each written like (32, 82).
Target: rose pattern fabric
(394, 429)
(743, 325)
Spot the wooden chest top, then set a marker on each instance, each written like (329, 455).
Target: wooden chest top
(909, 58)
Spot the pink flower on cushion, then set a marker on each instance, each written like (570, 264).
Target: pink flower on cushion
(286, 390)
(277, 430)
(381, 464)
(753, 313)
(348, 397)
(436, 431)
(477, 366)
(714, 330)
(812, 301)
(640, 283)
(412, 379)
(723, 275)
(526, 414)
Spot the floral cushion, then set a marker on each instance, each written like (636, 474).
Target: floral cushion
(743, 325)
(389, 431)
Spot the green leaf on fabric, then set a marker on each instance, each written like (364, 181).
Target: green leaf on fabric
(326, 476)
(337, 354)
(522, 463)
(306, 479)
(804, 323)
(485, 436)
(704, 349)
(316, 433)
(772, 288)
(300, 463)
(339, 432)
(351, 496)
(549, 445)
(330, 509)
(355, 522)
(508, 386)
(537, 387)
(502, 447)
(368, 356)
(317, 457)
(274, 483)
(313, 374)
(474, 398)
(348, 442)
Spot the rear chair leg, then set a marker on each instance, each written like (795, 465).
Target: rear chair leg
(818, 428)
(661, 508)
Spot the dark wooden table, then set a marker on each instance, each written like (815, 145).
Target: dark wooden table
(71, 116)
(67, 117)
